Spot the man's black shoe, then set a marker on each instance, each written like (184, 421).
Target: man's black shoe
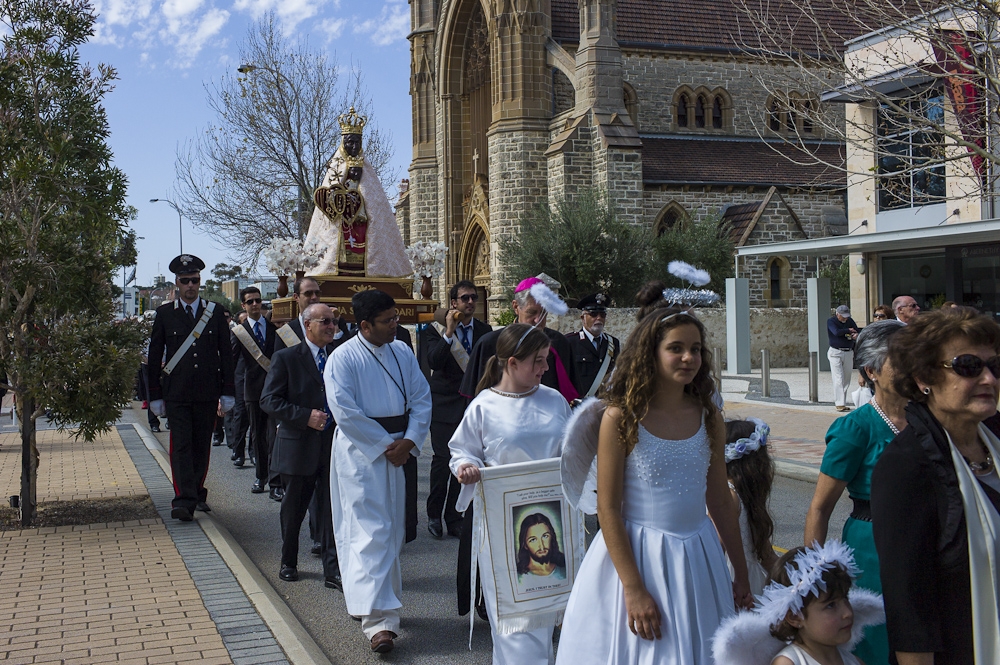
(334, 582)
(155, 428)
(434, 526)
(258, 487)
(277, 493)
(182, 514)
(203, 507)
(238, 462)
(289, 574)
(455, 530)
(216, 442)
(317, 549)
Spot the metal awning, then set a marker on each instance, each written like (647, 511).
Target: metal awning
(903, 78)
(933, 237)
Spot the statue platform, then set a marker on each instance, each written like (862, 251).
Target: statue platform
(336, 291)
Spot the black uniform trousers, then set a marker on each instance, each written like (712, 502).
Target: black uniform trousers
(191, 426)
(301, 492)
(240, 425)
(444, 486)
(262, 431)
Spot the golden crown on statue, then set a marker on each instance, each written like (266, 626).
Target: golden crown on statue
(352, 123)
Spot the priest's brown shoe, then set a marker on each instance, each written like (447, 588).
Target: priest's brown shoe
(382, 641)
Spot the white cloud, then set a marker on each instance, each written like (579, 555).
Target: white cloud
(178, 9)
(289, 12)
(189, 36)
(392, 24)
(332, 28)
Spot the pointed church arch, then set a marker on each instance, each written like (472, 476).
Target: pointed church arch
(670, 216)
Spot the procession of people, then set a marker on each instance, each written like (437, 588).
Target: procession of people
(530, 429)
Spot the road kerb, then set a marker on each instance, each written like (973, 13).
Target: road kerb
(809, 474)
(295, 640)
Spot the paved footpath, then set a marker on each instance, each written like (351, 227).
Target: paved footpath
(144, 592)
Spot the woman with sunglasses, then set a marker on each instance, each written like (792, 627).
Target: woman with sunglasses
(936, 494)
(883, 313)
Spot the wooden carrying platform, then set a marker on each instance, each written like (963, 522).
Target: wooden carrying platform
(336, 291)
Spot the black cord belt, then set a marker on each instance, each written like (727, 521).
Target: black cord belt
(862, 510)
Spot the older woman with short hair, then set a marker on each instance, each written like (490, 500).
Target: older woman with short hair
(936, 494)
(853, 446)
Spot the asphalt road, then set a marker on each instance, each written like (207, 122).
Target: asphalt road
(432, 631)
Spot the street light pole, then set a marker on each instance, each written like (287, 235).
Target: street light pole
(180, 220)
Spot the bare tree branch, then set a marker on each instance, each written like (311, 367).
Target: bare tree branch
(251, 176)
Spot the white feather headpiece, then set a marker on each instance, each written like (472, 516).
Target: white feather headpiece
(548, 299)
(745, 638)
(688, 297)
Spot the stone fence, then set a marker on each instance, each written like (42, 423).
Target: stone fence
(783, 332)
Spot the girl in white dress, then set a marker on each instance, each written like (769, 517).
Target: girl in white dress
(751, 473)
(653, 586)
(808, 615)
(512, 419)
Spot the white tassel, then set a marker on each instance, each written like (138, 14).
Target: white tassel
(548, 299)
(689, 273)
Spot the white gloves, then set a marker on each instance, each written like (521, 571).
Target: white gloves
(227, 402)
(158, 407)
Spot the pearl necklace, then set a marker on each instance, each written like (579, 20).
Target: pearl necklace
(515, 395)
(879, 411)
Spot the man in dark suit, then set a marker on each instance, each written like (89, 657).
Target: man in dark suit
(240, 423)
(294, 395)
(195, 384)
(594, 351)
(446, 348)
(252, 347)
(306, 293)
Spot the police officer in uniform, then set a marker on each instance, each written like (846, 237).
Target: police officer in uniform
(594, 351)
(196, 384)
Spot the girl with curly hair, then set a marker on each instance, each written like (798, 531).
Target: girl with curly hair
(654, 585)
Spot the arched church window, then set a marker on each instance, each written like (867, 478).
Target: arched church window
(631, 100)
(699, 112)
(775, 281)
(774, 116)
(717, 112)
(807, 123)
(670, 216)
(683, 103)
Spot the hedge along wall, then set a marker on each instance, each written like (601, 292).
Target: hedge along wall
(783, 332)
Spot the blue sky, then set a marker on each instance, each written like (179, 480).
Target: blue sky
(165, 51)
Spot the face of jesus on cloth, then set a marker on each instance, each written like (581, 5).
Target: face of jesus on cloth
(539, 552)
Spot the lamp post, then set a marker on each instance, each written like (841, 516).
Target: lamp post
(180, 222)
(304, 197)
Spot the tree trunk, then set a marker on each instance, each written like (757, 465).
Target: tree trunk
(29, 460)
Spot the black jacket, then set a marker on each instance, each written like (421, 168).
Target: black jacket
(292, 390)
(588, 360)
(254, 373)
(920, 534)
(206, 370)
(446, 374)
(296, 325)
(487, 347)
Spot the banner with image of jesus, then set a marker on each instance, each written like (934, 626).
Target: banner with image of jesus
(533, 542)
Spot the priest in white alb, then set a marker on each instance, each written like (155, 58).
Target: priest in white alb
(381, 403)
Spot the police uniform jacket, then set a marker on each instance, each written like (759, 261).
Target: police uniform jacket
(254, 373)
(206, 370)
(588, 360)
(293, 388)
(446, 373)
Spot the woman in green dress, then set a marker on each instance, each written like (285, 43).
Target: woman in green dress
(853, 445)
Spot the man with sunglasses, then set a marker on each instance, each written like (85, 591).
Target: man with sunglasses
(594, 351)
(905, 308)
(195, 384)
(252, 348)
(447, 347)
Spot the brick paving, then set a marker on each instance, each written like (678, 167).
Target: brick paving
(70, 470)
(797, 435)
(146, 592)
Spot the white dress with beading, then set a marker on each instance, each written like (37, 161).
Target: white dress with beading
(679, 557)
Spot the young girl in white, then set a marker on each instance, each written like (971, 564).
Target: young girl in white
(653, 586)
(751, 472)
(512, 419)
(808, 615)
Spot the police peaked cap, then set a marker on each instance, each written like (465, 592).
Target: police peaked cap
(595, 302)
(186, 264)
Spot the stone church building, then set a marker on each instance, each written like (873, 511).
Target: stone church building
(522, 102)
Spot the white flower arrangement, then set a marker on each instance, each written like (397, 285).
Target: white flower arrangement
(427, 258)
(744, 446)
(285, 256)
